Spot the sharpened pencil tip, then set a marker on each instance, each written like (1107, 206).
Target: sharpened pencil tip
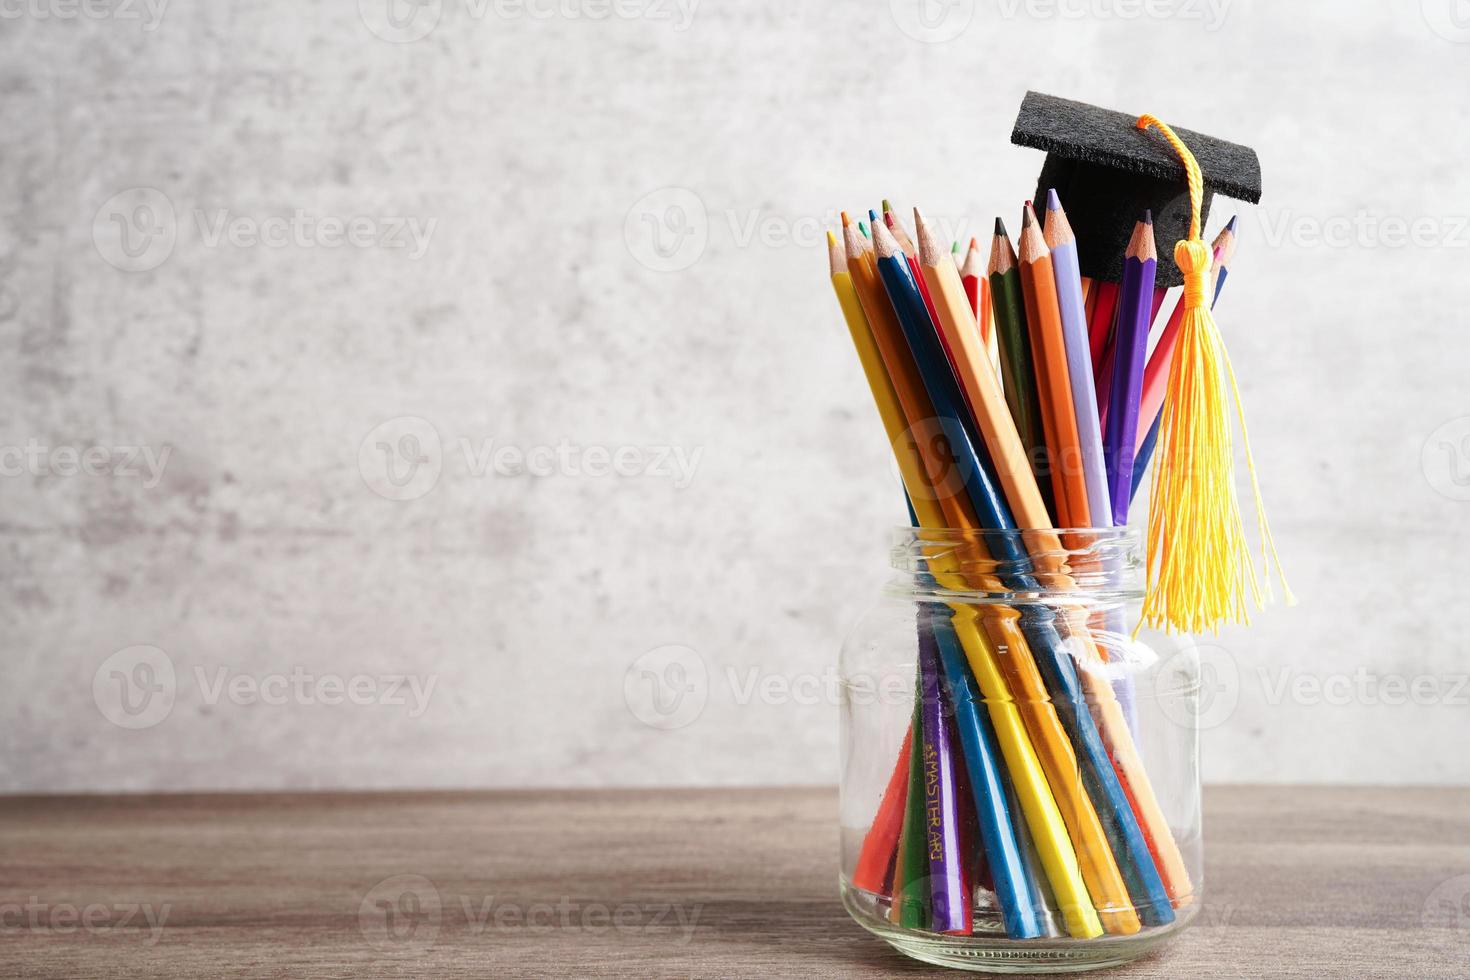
(1000, 228)
(1231, 226)
(845, 220)
(864, 229)
(1028, 217)
(886, 206)
(973, 242)
(1148, 216)
(873, 218)
(831, 238)
(1053, 203)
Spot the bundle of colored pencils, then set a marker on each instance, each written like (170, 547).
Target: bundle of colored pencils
(1042, 385)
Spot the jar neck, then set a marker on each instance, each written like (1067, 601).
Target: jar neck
(970, 565)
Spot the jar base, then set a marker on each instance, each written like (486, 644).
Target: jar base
(993, 953)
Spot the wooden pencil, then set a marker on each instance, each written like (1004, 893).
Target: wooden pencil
(1049, 354)
(1135, 305)
(1018, 376)
(1063, 244)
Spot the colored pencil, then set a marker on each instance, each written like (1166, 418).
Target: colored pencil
(1106, 369)
(1135, 305)
(948, 866)
(1063, 244)
(977, 290)
(979, 386)
(1017, 373)
(907, 244)
(911, 898)
(1049, 358)
(1104, 303)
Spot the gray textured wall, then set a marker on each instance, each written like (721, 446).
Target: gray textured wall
(602, 237)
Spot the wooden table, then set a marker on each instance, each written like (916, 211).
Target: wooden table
(709, 883)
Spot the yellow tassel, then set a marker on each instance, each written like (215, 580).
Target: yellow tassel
(1200, 573)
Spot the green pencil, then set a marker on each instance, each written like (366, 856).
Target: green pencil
(1018, 377)
(911, 872)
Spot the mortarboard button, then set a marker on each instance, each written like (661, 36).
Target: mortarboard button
(1108, 172)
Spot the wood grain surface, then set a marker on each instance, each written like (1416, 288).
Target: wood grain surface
(1320, 882)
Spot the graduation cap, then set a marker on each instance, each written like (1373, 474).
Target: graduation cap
(1107, 172)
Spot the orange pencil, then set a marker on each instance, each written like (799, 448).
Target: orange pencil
(1053, 383)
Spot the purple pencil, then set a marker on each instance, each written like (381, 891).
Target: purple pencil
(948, 871)
(1135, 306)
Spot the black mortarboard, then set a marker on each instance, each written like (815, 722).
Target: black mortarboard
(1107, 172)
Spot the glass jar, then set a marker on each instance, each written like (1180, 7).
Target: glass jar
(1020, 773)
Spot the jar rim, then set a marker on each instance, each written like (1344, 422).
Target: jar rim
(974, 564)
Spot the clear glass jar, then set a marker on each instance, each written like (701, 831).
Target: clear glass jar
(1050, 817)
